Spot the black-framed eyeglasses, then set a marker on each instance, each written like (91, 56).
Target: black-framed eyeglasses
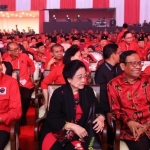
(135, 63)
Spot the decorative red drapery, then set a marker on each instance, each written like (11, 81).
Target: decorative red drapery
(41, 20)
(38, 5)
(67, 3)
(131, 12)
(100, 3)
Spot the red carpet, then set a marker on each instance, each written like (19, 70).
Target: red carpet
(26, 139)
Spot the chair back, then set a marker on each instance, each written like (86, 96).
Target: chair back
(16, 74)
(146, 63)
(93, 66)
(46, 72)
(92, 77)
(52, 87)
(98, 55)
(37, 72)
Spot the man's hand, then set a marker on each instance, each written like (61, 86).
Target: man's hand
(99, 124)
(135, 128)
(52, 60)
(141, 131)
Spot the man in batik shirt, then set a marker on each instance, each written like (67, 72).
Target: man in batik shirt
(129, 98)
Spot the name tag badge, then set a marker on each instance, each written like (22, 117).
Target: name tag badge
(23, 81)
(2, 90)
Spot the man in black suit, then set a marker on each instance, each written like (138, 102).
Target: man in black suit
(108, 70)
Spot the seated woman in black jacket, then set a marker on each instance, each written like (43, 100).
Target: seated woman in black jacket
(64, 128)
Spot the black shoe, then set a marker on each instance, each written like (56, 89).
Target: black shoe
(23, 122)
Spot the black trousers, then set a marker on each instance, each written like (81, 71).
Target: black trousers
(142, 144)
(4, 138)
(25, 100)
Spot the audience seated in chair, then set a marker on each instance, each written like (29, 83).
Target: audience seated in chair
(70, 96)
(130, 102)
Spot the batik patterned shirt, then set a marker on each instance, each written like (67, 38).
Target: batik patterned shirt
(130, 102)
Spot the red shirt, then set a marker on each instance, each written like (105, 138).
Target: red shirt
(132, 46)
(5, 55)
(142, 52)
(57, 64)
(79, 111)
(55, 76)
(10, 102)
(26, 67)
(119, 36)
(32, 50)
(130, 102)
(44, 58)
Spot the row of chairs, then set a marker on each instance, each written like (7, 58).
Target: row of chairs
(40, 112)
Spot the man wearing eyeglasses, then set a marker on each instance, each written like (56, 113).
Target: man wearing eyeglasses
(129, 100)
(26, 66)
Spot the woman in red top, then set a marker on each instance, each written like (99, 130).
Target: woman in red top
(64, 127)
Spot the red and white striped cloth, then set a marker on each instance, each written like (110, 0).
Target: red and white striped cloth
(129, 11)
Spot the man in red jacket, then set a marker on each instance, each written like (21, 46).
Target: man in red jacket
(120, 35)
(10, 105)
(22, 62)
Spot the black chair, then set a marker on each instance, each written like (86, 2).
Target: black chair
(119, 144)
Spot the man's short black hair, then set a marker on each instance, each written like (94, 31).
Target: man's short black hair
(125, 33)
(125, 54)
(71, 68)
(56, 45)
(34, 39)
(8, 45)
(109, 49)
(125, 25)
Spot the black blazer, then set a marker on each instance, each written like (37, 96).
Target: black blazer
(62, 109)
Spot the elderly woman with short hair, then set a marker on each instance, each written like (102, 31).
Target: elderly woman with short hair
(64, 128)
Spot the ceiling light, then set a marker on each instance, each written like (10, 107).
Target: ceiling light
(12, 14)
(26, 14)
(20, 16)
(7, 13)
(3, 15)
(7, 16)
(22, 12)
(1, 12)
(30, 14)
(16, 15)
